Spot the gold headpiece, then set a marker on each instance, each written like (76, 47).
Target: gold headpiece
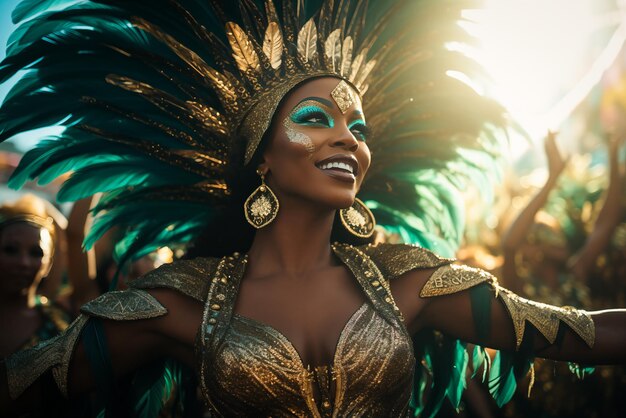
(262, 70)
(29, 209)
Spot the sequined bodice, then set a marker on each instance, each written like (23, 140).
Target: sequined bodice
(251, 369)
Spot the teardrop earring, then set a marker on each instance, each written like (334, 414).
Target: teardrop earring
(261, 207)
(358, 219)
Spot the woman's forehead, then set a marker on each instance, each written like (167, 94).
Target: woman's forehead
(337, 91)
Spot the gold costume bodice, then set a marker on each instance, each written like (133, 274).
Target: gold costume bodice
(250, 369)
(256, 371)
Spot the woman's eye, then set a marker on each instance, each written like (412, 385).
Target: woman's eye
(312, 117)
(9, 249)
(315, 119)
(360, 131)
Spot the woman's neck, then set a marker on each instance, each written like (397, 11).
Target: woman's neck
(296, 242)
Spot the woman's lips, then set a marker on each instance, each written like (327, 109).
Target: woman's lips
(340, 166)
(339, 174)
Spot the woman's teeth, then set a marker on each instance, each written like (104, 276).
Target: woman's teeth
(339, 165)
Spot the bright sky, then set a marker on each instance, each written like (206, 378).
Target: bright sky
(545, 55)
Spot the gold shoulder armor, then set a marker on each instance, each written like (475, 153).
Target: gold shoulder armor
(26, 366)
(189, 277)
(124, 305)
(393, 260)
(454, 278)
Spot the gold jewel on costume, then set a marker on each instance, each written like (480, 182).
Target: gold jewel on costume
(261, 207)
(344, 95)
(358, 219)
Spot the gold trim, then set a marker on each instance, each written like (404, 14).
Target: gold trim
(454, 278)
(125, 305)
(545, 318)
(26, 366)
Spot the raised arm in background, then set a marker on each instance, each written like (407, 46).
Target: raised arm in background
(582, 263)
(517, 233)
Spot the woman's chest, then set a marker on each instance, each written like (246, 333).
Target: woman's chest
(257, 370)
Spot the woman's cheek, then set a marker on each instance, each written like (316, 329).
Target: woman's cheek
(297, 137)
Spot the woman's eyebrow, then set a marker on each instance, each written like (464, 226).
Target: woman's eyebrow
(357, 115)
(316, 99)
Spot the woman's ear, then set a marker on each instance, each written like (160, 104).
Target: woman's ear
(262, 169)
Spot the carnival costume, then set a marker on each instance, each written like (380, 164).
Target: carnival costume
(165, 102)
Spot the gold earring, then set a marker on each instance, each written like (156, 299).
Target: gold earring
(358, 219)
(261, 207)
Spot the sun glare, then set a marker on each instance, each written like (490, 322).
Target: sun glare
(545, 55)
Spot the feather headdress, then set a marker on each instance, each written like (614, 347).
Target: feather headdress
(160, 99)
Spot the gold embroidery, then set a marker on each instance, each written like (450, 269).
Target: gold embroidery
(393, 260)
(125, 305)
(24, 367)
(546, 318)
(373, 359)
(188, 277)
(454, 278)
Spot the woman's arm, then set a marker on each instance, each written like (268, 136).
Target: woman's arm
(81, 268)
(131, 344)
(610, 215)
(517, 233)
(452, 314)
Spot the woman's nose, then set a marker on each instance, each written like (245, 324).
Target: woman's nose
(346, 140)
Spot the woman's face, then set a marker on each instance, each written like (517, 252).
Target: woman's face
(24, 254)
(318, 148)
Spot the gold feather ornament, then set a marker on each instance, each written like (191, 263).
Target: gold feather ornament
(307, 42)
(243, 52)
(273, 45)
(332, 49)
(346, 56)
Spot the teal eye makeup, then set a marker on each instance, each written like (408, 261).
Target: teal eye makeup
(310, 113)
(359, 130)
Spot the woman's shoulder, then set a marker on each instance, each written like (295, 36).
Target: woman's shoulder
(187, 277)
(444, 275)
(396, 259)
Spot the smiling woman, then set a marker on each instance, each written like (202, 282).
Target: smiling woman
(261, 135)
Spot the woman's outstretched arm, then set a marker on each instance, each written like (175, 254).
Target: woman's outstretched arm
(452, 314)
(131, 344)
